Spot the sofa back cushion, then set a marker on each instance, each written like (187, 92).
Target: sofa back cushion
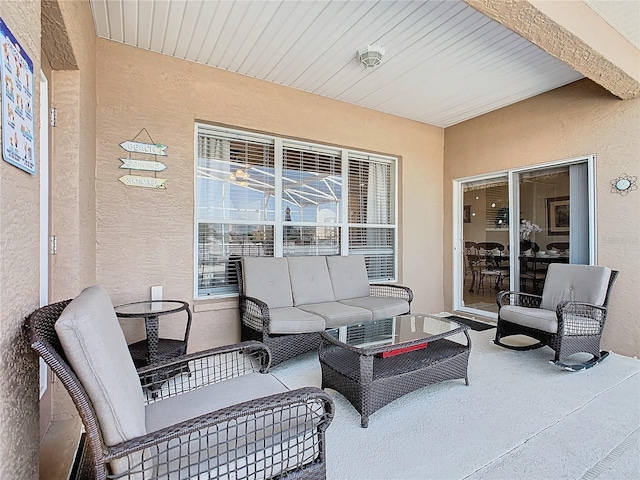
(582, 283)
(267, 279)
(97, 351)
(310, 281)
(348, 276)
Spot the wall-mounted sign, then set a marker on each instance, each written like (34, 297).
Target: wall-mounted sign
(133, 164)
(150, 148)
(16, 72)
(142, 164)
(149, 182)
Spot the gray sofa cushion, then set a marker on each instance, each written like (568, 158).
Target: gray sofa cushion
(348, 276)
(310, 281)
(336, 314)
(97, 351)
(294, 320)
(380, 307)
(537, 318)
(583, 283)
(267, 279)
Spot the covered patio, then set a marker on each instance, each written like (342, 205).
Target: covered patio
(128, 238)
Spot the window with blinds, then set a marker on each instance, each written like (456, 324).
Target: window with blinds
(497, 207)
(261, 196)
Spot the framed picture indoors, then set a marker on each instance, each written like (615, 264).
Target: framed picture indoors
(467, 214)
(558, 215)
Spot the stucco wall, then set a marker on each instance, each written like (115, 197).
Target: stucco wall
(145, 236)
(576, 120)
(19, 278)
(73, 153)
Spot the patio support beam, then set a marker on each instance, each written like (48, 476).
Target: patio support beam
(575, 34)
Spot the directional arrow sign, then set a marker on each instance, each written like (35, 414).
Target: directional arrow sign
(133, 164)
(150, 148)
(149, 182)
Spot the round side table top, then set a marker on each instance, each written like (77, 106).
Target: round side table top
(150, 307)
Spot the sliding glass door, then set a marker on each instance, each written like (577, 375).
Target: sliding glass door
(485, 235)
(509, 227)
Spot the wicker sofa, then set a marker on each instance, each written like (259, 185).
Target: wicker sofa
(219, 414)
(287, 302)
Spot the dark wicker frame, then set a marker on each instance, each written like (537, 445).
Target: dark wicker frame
(313, 407)
(571, 336)
(254, 315)
(370, 382)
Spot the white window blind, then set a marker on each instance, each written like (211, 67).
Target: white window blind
(237, 180)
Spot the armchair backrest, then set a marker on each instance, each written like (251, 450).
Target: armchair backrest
(582, 283)
(88, 353)
(96, 349)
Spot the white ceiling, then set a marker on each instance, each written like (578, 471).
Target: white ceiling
(623, 15)
(444, 63)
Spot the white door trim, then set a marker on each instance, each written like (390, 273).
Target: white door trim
(44, 209)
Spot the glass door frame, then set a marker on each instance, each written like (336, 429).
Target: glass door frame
(514, 220)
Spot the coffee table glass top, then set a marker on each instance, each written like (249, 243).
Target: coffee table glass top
(394, 331)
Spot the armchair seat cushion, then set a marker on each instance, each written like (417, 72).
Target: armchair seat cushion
(381, 307)
(336, 314)
(213, 397)
(286, 434)
(537, 318)
(294, 320)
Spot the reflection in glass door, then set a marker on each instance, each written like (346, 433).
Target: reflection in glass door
(485, 231)
(554, 221)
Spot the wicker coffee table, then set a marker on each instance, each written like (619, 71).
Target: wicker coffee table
(376, 362)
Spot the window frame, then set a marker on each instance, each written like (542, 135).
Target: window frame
(279, 144)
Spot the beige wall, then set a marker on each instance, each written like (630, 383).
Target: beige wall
(73, 153)
(145, 236)
(576, 120)
(19, 278)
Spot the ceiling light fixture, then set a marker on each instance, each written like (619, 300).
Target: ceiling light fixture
(371, 56)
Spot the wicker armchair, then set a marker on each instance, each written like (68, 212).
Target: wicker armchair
(256, 318)
(203, 423)
(569, 316)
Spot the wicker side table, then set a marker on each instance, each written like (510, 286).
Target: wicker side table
(372, 367)
(154, 349)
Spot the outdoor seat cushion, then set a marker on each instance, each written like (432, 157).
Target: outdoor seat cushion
(310, 281)
(240, 448)
(538, 318)
(294, 320)
(97, 351)
(172, 410)
(267, 278)
(581, 283)
(336, 314)
(348, 276)
(380, 307)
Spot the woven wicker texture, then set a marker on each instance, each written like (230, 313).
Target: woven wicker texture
(370, 381)
(580, 326)
(282, 435)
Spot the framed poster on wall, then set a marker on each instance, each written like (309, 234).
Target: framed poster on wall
(558, 215)
(16, 70)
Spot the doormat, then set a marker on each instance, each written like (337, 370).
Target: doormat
(478, 326)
